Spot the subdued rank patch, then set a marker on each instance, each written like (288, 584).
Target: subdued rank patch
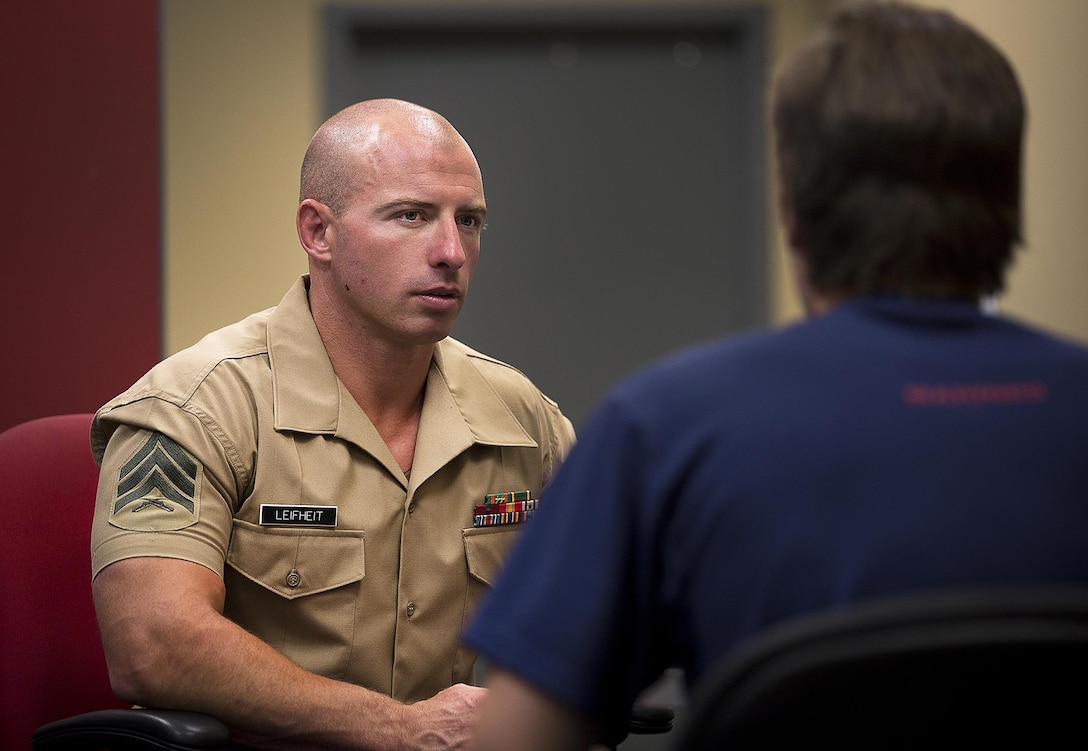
(158, 488)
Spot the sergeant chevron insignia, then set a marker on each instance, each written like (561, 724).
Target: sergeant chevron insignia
(158, 488)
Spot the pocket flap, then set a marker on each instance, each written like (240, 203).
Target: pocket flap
(296, 562)
(486, 549)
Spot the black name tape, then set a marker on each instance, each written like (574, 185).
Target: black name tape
(279, 515)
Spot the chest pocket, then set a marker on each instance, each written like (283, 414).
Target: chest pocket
(485, 550)
(295, 562)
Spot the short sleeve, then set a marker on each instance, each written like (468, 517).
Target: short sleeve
(162, 492)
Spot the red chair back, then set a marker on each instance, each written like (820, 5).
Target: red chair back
(51, 658)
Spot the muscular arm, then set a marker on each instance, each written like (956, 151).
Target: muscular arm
(168, 645)
(515, 714)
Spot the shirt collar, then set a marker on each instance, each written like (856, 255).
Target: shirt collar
(305, 390)
(918, 311)
(460, 407)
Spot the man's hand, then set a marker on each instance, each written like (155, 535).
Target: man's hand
(444, 721)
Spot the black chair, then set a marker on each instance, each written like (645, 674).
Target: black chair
(956, 669)
(134, 730)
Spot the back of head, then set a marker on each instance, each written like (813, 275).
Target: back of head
(899, 134)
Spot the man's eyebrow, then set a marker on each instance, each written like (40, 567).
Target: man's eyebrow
(397, 203)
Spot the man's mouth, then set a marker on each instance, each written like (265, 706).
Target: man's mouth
(449, 292)
(444, 299)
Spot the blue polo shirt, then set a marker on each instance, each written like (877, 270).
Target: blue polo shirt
(885, 447)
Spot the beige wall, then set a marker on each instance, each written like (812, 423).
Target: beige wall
(1044, 39)
(241, 87)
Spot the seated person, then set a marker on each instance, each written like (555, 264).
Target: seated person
(284, 535)
(902, 438)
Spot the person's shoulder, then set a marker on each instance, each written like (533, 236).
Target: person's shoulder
(733, 356)
(1058, 358)
(179, 375)
(501, 375)
(1058, 343)
(698, 383)
(476, 375)
(194, 386)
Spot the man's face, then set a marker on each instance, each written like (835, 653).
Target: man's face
(406, 245)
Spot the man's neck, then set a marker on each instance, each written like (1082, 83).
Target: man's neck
(387, 380)
(389, 388)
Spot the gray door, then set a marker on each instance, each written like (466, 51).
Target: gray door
(623, 160)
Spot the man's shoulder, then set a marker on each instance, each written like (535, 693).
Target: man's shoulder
(181, 374)
(1057, 344)
(502, 376)
(735, 356)
(210, 381)
(480, 382)
(480, 378)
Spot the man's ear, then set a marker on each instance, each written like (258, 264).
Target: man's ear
(790, 228)
(313, 220)
(797, 259)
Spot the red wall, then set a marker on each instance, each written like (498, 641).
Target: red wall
(80, 306)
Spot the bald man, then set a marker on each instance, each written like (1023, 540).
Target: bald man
(296, 515)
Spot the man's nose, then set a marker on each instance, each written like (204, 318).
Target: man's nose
(449, 249)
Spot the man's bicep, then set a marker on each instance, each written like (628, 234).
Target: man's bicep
(148, 589)
(151, 614)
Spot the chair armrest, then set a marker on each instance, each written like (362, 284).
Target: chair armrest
(134, 730)
(646, 720)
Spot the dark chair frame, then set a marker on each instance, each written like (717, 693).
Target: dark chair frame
(952, 669)
(134, 730)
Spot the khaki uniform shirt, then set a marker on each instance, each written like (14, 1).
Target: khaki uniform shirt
(253, 414)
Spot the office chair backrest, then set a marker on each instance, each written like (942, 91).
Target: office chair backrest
(51, 660)
(946, 670)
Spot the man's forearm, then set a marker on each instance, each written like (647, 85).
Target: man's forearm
(271, 703)
(168, 646)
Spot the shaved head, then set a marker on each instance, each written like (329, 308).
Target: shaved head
(349, 145)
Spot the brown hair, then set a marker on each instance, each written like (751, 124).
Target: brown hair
(899, 134)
